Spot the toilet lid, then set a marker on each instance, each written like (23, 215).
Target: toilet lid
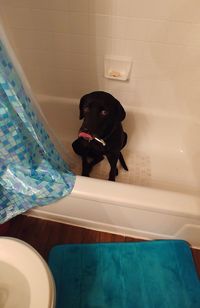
(25, 277)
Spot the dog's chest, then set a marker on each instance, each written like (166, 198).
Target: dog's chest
(93, 147)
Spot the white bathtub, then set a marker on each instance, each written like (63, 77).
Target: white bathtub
(159, 197)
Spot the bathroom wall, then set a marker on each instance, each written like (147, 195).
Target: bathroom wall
(61, 45)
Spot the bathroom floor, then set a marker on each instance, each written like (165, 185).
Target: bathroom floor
(43, 235)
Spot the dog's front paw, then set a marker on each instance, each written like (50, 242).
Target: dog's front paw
(111, 179)
(86, 170)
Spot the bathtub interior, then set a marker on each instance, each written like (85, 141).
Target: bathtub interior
(162, 150)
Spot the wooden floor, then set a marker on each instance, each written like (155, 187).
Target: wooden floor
(43, 235)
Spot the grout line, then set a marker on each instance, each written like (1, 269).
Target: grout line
(195, 46)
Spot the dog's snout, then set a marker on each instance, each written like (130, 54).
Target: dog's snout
(85, 129)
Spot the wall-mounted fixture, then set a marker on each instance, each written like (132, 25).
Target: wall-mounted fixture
(117, 67)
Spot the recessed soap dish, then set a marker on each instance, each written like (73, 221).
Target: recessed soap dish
(117, 67)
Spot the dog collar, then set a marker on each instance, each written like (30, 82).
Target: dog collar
(89, 138)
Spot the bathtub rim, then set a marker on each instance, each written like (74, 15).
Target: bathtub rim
(180, 217)
(146, 198)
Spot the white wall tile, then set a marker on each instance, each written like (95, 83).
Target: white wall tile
(43, 19)
(103, 7)
(13, 3)
(79, 6)
(100, 45)
(18, 17)
(58, 21)
(36, 58)
(172, 10)
(35, 78)
(58, 5)
(71, 43)
(78, 23)
(100, 25)
(25, 39)
(77, 62)
(66, 41)
(36, 4)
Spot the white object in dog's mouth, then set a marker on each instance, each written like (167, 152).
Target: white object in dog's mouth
(90, 137)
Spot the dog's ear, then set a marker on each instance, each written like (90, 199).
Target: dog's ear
(81, 107)
(120, 111)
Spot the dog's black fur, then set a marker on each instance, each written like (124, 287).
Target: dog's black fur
(102, 115)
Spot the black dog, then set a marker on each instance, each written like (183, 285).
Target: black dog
(101, 132)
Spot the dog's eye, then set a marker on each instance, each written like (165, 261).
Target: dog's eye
(104, 113)
(86, 109)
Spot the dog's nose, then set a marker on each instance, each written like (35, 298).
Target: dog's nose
(85, 130)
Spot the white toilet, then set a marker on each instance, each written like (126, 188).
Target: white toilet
(25, 279)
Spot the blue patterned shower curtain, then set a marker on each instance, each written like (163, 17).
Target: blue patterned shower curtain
(31, 170)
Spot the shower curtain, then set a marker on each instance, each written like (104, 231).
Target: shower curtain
(32, 171)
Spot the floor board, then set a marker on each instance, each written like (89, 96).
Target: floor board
(43, 235)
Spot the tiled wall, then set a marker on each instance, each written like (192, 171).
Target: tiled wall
(61, 45)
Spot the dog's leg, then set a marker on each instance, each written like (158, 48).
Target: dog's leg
(97, 160)
(112, 159)
(85, 166)
(88, 165)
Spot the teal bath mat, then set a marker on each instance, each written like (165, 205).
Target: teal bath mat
(155, 274)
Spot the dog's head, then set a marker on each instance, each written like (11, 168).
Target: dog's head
(101, 113)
